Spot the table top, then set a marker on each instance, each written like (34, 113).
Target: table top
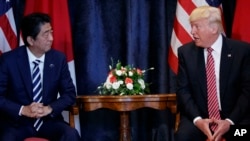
(128, 102)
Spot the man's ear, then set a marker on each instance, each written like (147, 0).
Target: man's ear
(30, 40)
(214, 28)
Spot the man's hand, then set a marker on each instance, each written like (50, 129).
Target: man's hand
(223, 127)
(36, 110)
(28, 111)
(203, 125)
(43, 111)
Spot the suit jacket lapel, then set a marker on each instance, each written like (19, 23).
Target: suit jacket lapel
(225, 66)
(47, 72)
(202, 71)
(24, 67)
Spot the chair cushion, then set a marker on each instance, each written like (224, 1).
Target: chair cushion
(35, 139)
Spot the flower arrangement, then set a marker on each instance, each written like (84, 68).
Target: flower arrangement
(124, 80)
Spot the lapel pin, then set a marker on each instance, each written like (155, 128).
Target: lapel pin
(51, 65)
(229, 55)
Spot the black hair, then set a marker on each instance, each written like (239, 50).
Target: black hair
(31, 25)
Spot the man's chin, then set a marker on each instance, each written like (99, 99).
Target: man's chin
(47, 49)
(197, 43)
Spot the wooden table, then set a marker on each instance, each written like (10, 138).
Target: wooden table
(125, 104)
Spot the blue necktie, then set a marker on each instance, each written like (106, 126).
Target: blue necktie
(37, 89)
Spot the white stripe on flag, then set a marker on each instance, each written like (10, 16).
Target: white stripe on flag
(4, 45)
(181, 24)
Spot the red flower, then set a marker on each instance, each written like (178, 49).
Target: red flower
(112, 79)
(128, 80)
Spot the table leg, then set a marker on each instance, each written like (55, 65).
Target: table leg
(124, 127)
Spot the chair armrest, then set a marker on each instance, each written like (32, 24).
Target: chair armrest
(73, 110)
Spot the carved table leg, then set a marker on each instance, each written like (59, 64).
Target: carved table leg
(124, 127)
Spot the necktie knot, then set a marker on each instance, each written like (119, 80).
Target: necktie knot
(209, 50)
(36, 62)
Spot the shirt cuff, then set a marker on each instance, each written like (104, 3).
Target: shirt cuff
(20, 111)
(231, 122)
(195, 119)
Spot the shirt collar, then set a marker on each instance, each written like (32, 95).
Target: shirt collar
(32, 57)
(217, 45)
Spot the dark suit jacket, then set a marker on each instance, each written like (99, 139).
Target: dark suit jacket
(234, 81)
(16, 85)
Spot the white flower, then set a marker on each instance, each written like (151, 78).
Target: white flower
(130, 73)
(118, 72)
(120, 82)
(142, 83)
(129, 86)
(107, 85)
(115, 85)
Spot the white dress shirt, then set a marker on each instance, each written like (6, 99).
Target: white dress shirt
(32, 58)
(217, 47)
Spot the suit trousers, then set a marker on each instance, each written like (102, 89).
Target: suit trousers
(53, 130)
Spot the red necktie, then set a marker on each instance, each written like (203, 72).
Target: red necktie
(213, 105)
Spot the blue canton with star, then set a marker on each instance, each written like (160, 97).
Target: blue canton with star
(5, 5)
(215, 3)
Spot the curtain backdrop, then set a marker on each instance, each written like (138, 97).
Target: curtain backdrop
(136, 32)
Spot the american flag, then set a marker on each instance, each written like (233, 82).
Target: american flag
(8, 34)
(181, 31)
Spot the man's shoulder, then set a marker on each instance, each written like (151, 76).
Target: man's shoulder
(187, 46)
(14, 52)
(55, 55)
(55, 52)
(237, 43)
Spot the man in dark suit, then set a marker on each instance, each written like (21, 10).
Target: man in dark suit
(232, 80)
(18, 107)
